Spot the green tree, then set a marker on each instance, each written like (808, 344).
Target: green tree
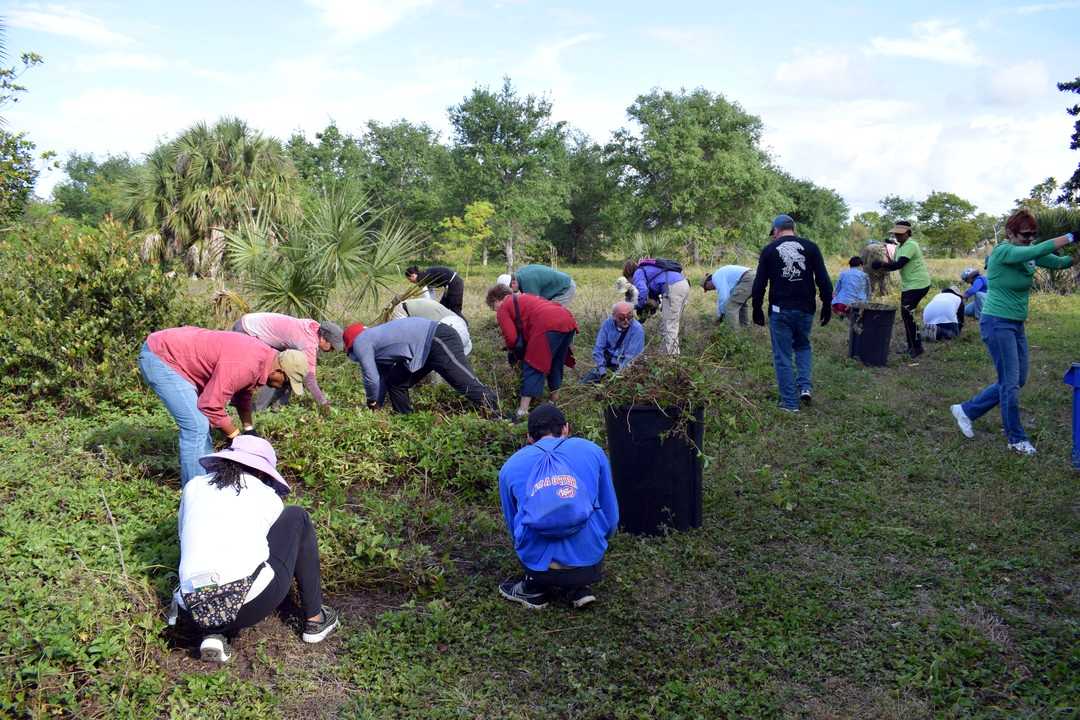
(333, 158)
(948, 222)
(411, 170)
(820, 213)
(875, 223)
(206, 182)
(510, 153)
(1070, 189)
(694, 166)
(93, 189)
(593, 182)
(18, 167)
(461, 236)
(894, 208)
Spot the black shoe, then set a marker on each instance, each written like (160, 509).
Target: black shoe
(317, 630)
(805, 397)
(516, 591)
(581, 596)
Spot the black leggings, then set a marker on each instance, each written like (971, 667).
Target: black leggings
(564, 578)
(909, 300)
(294, 552)
(447, 358)
(454, 295)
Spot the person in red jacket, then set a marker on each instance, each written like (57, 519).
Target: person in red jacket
(539, 334)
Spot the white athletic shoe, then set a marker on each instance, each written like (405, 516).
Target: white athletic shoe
(962, 420)
(215, 648)
(1023, 447)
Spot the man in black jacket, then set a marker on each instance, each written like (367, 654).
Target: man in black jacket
(438, 276)
(791, 266)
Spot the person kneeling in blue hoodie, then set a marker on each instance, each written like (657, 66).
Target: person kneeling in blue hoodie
(560, 509)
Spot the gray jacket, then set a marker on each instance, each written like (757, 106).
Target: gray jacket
(377, 349)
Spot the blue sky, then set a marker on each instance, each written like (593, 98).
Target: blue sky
(868, 100)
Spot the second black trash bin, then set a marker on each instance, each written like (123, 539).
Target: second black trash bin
(871, 332)
(657, 479)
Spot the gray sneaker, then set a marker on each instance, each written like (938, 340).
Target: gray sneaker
(515, 591)
(316, 631)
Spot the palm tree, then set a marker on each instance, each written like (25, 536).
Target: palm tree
(206, 182)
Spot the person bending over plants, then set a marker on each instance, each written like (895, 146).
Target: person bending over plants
(559, 505)
(539, 334)
(197, 372)
(733, 285)
(544, 281)
(660, 282)
(1010, 270)
(398, 354)
(439, 276)
(283, 332)
(914, 282)
(241, 548)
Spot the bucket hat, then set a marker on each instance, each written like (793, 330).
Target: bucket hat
(252, 452)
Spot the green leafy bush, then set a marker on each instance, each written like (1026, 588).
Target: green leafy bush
(74, 308)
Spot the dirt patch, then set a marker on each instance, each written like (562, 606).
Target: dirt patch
(837, 698)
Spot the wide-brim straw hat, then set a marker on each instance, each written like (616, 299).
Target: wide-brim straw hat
(252, 452)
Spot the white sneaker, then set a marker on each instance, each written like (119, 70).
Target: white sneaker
(964, 421)
(215, 648)
(1023, 447)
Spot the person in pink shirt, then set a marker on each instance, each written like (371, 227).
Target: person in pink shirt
(284, 332)
(198, 372)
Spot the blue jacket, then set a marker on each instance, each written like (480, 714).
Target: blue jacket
(592, 469)
(652, 282)
(852, 286)
(632, 345)
(978, 286)
(378, 348)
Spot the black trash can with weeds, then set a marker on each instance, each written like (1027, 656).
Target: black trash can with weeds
(870, 332)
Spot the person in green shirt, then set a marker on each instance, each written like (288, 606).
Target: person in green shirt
(1009, 272)
(914, 282)
(544, 281)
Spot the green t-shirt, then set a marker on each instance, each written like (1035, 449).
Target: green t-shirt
(914, 275)
(542, 280)
(1009, 273)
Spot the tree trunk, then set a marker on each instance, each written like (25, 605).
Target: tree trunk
(508, 249)
(485, 255)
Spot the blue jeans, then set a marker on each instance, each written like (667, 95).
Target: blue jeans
(532, 380)
(974, 308)
(181, 400)
(1007, 343)
(790, 333)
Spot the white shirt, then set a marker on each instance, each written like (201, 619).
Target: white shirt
(725, 279)
(941, 309)
(223, 534)
(431, 310)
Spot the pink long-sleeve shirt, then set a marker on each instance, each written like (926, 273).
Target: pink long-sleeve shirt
(284, 332)
(224, 367)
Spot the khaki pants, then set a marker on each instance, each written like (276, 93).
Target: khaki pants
(671, 315)
(740, 295)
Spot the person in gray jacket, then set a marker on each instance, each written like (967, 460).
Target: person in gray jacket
(398, 354)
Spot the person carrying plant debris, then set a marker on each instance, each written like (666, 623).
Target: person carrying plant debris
(197, 372)
(1010, 271)
(852, 286)
(791, 267)
(241, 548)
(943, 316)
(660, 283)
(620, 340)
(544, 281)
(425, 308)
(398, 354)
(914, 281)
(560, 509)
(439, 276)
(284, 332)
(539, 335)
(733, 285)
(976, 293)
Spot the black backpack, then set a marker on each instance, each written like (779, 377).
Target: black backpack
(662, 263)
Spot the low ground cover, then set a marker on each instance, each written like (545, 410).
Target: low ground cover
(860, 559)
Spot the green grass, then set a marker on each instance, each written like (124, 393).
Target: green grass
(861, 559)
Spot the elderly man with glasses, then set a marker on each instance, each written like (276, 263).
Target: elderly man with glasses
(620, 340)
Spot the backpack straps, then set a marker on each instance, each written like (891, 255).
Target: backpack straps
(622, 336)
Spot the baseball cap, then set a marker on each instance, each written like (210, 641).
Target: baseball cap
(294, 364)
(333, 334)
(782, 222)
(706, 281)
(901, 227)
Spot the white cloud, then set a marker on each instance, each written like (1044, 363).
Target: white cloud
(930, 40)
(119, 61)
(1016, 85)
(698, 41)
(67, 22)
(1047, 7)
(824, 73)
(359, 19)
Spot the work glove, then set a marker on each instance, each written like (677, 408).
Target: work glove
(759, 317)
(876, 265)
(1072, 237)
(251, 431)
(372, 405)
(826, 315)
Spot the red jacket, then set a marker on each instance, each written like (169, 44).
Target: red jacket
(538, 316)
(223, 366)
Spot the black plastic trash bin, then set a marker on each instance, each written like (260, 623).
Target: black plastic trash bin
(657, 480)
(870, 333)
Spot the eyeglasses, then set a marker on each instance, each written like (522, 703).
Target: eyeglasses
(1028, 235)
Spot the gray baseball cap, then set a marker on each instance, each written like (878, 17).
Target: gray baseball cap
(333, 334)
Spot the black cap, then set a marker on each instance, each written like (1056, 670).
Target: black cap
(543, 418)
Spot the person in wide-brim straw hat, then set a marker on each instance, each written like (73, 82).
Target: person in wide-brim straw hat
(241, 548)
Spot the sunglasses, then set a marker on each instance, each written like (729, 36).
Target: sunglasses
(1028, 235)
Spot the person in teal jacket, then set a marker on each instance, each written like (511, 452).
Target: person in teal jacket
(1009, 273)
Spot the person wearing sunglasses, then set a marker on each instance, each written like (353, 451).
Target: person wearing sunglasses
(1009, 273)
